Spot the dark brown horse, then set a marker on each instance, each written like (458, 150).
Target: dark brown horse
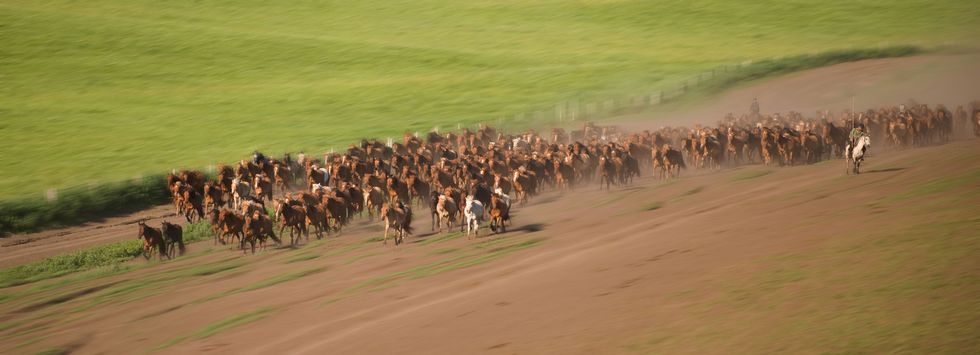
(173, 238)
(258, 228)
(152, 239)
(293, 217)
(231, 224)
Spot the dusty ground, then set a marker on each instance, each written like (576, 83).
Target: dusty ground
(752, 259)
(933, 79)
(585, 272)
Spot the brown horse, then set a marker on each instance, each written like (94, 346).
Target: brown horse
(294, 217)
(231, 224)
(399, 217)
(213, 195)
(258, 227)
(263, 186)
(373, 200)
(316, 217)
(397, 191)
(499, 213)
(193, 203)
(446, 212)
(607, 171)
(281, 174)
(673, 160)
(152, 239)
(173, 238)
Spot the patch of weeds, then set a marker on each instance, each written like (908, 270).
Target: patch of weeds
(693, 191)
(282, 278)
(272, 281)
(220, 326)
(301, 257)
(375, 239)
(441, 238)
(491, 243)
(359, 257)
(161, 280)
(443, 251)
(344, 250)
(10, 325)
(652, 206)
(750, 174)
(54, 351)
(30, 342)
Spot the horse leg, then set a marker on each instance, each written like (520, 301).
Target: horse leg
(385, 241)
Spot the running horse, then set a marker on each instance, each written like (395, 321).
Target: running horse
(152, 238)
(855, 155)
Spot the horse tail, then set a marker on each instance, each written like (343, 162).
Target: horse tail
(407, 223)
(181, 246)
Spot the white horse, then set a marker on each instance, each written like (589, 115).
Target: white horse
(473, 213)
(855, 155)
(239, 191)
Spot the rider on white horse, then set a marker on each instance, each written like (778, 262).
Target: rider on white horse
(856, 133)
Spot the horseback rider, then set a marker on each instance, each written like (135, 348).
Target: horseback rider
(856, 133)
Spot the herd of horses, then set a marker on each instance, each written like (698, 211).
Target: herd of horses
(464, 178)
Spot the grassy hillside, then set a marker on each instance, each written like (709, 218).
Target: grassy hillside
(106, 89)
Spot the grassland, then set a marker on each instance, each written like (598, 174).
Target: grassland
(103, 90)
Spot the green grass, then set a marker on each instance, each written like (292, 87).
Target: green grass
(301, 257)
(86, 259)
(269, 282)
(81, 204)
(55, 351)
(441, 237)
(359, 257)
(102, 90)
(220, 326)
(281, 278)
(379, 238)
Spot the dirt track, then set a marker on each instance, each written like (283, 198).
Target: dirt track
(585, 272)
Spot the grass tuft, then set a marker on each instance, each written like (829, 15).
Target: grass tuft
(652, 206)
